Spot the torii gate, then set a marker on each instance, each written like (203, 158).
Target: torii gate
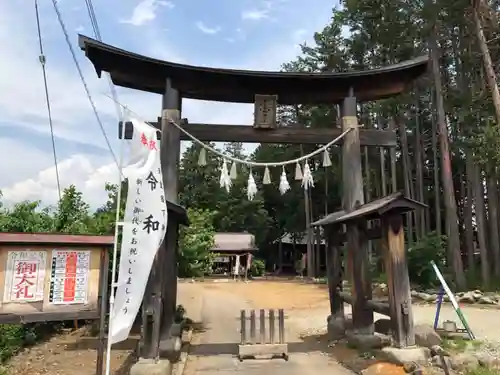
(265, 89)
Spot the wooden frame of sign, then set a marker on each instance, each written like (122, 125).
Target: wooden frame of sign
(54, 277)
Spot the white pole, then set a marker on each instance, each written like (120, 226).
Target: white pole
(115, 246)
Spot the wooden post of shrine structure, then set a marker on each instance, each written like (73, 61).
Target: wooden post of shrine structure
(398, 281)
(387, 210)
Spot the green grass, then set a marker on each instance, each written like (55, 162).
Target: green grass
(483, 371)
(457, 344)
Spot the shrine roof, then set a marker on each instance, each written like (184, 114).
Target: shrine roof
(396, 202)
(233, 242)
(135, 71)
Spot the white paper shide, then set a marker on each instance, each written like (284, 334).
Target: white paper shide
(144, 228)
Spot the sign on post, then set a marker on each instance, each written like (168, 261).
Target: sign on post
(54, 277)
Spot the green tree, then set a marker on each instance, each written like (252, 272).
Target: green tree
(72, 215)
(199, 188)
(27, 217)
(195, 241)
(104, 218)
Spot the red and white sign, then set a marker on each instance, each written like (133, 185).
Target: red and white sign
(25, 276)
(69, 277)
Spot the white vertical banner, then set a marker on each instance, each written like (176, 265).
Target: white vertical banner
(144, 227)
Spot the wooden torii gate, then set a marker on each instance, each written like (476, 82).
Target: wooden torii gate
(265, 89)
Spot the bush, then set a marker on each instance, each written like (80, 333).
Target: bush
(258, 267)
(11, 340)
(430, 247)
(195, 242)
(14, 337)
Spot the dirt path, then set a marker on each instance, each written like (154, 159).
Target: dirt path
(308, 305)
(218, 306)
(213, 351)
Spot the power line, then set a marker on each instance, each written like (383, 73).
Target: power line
(97, 34)
(82, 78)
(42, 60)
(93, 19)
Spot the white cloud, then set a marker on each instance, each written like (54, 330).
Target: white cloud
(85, 171)
(145, 11)
(28, 173)
(259, 13)
(206, 29)
(255, 14)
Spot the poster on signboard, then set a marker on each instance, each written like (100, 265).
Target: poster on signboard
(69, 279)
(25, 276)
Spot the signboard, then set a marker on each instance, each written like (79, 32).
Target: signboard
(44, 282)
(54, 277)
(25, 276)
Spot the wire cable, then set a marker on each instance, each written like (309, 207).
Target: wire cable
(43, 60)
(97, 34)
(82, 78)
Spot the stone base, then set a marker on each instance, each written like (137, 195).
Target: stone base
(336, 327)
(176, 329)
(368, 342)
(170, 349)
(151, 367)
(406, 355)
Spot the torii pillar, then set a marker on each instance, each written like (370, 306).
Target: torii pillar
(170, 342)
(352, 196)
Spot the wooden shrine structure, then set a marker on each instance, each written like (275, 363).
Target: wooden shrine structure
(265, 89)
(388, 212)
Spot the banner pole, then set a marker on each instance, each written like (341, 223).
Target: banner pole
(118, 224)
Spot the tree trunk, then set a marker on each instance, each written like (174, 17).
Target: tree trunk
(420, 175)
(453, 234)
(383, 180)
(468, 183)
(406, 175)
(436, 168)
(493, 220)
(488, 64)
(479, 205)
(392, 155)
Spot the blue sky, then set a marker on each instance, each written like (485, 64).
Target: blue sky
(244, 34)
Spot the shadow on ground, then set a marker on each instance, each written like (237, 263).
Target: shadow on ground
(347, 357)
(127, 365)
(350, 358)
(92, 342)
